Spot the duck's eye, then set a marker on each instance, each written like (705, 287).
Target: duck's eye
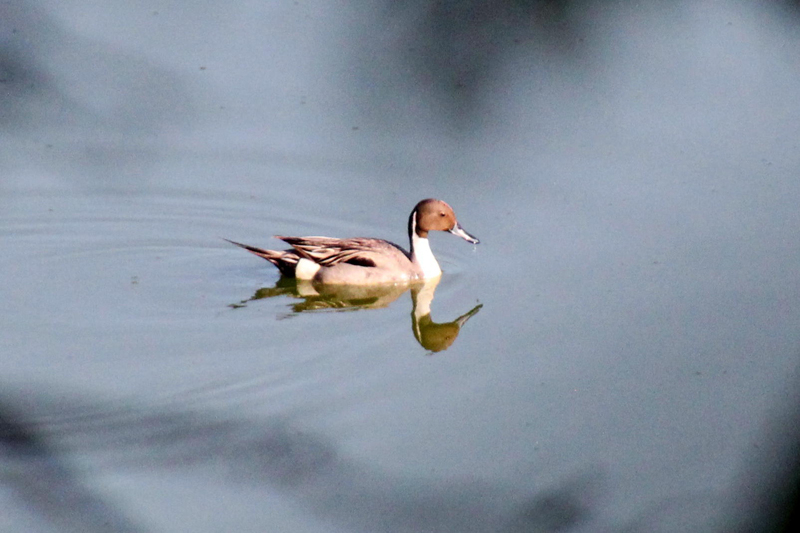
(442, 214)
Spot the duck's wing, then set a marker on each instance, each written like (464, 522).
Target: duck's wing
(327, 251)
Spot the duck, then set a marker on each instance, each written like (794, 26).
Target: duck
(367, 261)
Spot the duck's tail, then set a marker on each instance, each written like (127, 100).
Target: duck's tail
(285, 260)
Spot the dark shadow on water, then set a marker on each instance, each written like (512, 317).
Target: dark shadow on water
(433, 336)
(39, 435)
(768, 486)
(453, 49)
(87, 104)
(763, 497)
(42, 435)
(39, 475)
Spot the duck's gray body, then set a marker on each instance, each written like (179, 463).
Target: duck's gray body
(367, 261)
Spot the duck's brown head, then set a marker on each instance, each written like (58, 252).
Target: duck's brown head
(433, 214)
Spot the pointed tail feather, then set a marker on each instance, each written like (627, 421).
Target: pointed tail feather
(285, 261)
(269, 255)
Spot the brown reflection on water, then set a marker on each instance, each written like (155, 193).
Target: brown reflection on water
(433, 336)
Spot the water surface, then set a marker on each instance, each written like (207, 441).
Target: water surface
(630, 356)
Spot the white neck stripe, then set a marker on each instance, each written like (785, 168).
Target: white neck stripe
(422, 255)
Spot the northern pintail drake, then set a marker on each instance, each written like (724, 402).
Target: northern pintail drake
(364, 261)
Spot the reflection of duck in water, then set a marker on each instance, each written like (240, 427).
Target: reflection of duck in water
(431, 335)
(363, 261)
(321, 297)
(317, 297)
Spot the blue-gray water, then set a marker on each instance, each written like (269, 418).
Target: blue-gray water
(632, 173)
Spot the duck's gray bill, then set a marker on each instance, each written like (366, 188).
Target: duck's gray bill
(458, 230)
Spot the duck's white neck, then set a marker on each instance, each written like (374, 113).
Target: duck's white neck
(421, 253)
